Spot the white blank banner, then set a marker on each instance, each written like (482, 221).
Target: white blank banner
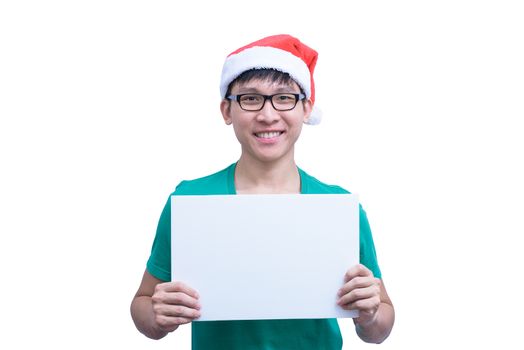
(265, 256)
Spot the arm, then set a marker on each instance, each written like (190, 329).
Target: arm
(363, 292)
(158, 307)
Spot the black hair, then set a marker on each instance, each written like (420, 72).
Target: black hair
(268, 74)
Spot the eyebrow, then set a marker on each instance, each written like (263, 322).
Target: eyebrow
(254, 90)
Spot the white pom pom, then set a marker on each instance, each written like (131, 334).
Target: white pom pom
(315, 117)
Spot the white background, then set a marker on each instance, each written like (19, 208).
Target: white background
(106, 105)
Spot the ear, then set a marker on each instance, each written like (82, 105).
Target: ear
(308, 108)
(225, 108)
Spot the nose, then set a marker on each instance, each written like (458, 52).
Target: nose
(268, 114)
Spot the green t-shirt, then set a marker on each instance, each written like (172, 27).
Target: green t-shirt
(303, 334)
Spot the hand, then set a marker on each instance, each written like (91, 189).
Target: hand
(361, 291)
(174, 303)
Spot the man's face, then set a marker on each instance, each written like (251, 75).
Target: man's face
(266, 135)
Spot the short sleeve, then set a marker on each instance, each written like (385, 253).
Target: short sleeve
(368, 256)
(159, 263)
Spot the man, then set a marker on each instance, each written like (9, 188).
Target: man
(268, 94)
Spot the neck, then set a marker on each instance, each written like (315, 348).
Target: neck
(279, 176)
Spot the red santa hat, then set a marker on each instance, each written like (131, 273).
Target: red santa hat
(281, 52)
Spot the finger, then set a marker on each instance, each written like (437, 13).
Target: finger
(180, 311)
(178, 287)
(181, 299)
(356, 283)
(366, 305)
(359, 294)
(163, 299)
(357, 270)
(168, 323)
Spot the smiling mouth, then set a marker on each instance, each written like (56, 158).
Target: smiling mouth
(268, 135)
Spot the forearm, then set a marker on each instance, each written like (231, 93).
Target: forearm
(378, 330)
(144, 317)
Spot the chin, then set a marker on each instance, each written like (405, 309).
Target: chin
(273, 157)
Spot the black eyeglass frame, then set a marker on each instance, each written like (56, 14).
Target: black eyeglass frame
(298, 97)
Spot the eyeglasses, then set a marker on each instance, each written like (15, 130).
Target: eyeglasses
(255, 102)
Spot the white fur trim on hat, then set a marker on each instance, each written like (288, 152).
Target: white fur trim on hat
(265, 57)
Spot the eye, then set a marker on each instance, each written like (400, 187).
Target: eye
(251, 98)
(284, 101)
(285, 97)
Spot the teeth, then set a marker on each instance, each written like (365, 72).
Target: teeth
(268, 135)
